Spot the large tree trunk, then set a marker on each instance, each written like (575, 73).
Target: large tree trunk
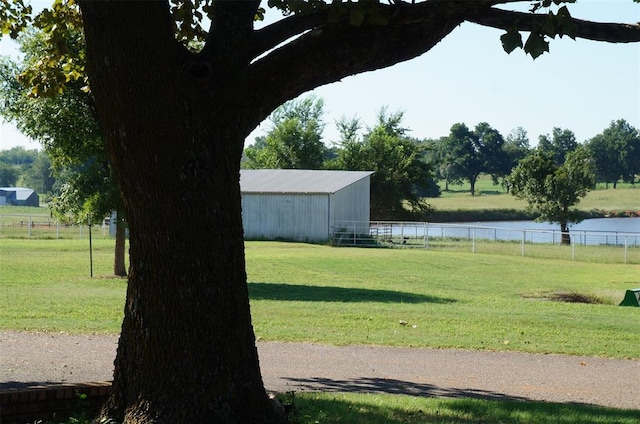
(187, 349)
(119, 267)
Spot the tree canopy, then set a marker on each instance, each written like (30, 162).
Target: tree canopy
(559, 143)
(295, 140)
(176, 96)
(616, 152)
(400, 174)
(554, 189)
(66, 124)
(465, 154)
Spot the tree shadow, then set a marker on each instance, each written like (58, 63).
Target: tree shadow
(23, 385)
(496, 408)
(304, 293)
(395, 387)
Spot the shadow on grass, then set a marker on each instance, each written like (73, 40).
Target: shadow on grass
(394, 387)
(303, 293)
(327, 408)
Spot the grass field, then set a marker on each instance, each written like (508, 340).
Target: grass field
(342, 296)
(489, 196)
(350, 408)
(302, 292)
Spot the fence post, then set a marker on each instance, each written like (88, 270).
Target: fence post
(355, 238)
(473, 240)
(29, 231)
(573, 250)
(426, 235)
(524, 236)
(625, 250)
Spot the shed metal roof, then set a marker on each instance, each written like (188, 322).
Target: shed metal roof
(21, 192)
(297, 180)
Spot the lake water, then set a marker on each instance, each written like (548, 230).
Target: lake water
(610, 231)
(617, 231)
(611, 225)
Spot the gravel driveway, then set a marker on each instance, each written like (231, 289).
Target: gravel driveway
(37, 358)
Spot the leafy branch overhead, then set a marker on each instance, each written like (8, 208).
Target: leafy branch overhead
(333, 32)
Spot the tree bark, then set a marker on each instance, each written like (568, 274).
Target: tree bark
(119, 267)
(472, 183)
(187, 349)
(565, 239)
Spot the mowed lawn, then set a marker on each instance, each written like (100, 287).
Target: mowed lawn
(489, 196)
(313, 293)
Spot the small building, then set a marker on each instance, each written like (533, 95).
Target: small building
(18, 196)
(301, 205)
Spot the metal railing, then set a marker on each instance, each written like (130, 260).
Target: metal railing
(39, 226)
(471, 237)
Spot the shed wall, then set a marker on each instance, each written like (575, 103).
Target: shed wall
(32, 200)
(351, 203)
(300, 217)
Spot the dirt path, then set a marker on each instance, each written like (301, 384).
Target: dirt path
(37, 358)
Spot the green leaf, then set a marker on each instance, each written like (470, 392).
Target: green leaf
(536, 45)
(511, 40)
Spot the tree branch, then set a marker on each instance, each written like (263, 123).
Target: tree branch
(343, 49)
(323, 49)
(270, 36)
(597, 31)
(397, 14)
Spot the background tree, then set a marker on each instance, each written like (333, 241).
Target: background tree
(18, 156)
(65, 123)
(461, 158)
(559, 143)
(490, 145)
(14, 163)
(442, 162)
(175, 121)
(295, 141)
(467, 153)
(40, 176)
(553, 189)
(516, 147)
(8, 175)
(616, 153)
(399, 171)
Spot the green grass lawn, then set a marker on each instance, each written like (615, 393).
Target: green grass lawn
(350, 408)
(344, 296)
(459, 300)
(302, 292)
(490, 196)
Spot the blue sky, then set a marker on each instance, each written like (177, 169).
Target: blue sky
(581, 85)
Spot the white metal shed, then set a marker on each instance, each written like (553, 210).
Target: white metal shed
(301, 205)
(19, 196)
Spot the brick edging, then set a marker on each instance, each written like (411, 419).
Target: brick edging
(52, 401)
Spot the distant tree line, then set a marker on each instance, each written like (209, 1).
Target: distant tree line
(20, 167)
(408, 169)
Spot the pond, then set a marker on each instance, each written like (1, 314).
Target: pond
(597, 231)
(608, 225)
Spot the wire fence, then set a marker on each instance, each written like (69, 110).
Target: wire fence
(42, 227)
(598, 246)
(594, 246)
